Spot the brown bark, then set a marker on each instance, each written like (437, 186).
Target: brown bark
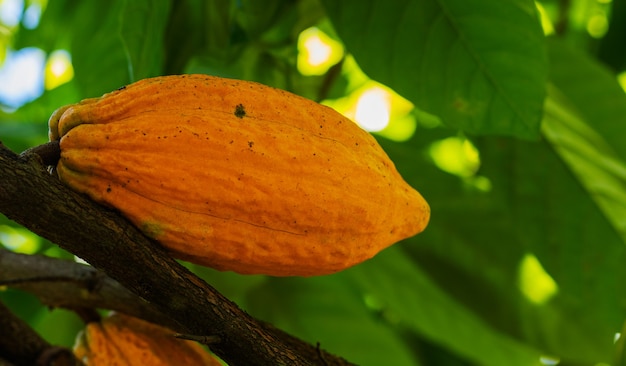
(23, 347)
(67, 284)
(38, 201)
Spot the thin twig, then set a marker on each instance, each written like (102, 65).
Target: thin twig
(76, 286)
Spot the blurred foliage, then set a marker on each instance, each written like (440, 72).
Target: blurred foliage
(517, 144)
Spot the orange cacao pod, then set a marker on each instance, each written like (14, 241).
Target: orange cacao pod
(238, 176)
(126, 341)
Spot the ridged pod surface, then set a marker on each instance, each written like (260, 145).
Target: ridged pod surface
(238, 176)
(126, 341)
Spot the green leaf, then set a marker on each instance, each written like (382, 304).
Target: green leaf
(143, 25)
(98, 55)
(478, 65)
(187, 32)
(236, 49)
(331, 311)
(409, 297)
(592, 89)
(620, 350)
(585, 124)
(255, 17)
(477, 240)
(53, 31)
(591, 158)
(547, 213)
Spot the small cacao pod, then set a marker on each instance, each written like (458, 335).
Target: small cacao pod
(238, 176)
(126, 341)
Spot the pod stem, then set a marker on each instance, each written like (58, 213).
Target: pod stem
(50, 152)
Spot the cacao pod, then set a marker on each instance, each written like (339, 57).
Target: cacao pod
(123, 340)
(238, 176)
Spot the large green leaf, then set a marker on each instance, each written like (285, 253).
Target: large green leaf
(479, 65)
(477, 241)
(600, 170)
(143, 24)
(586, 124)
(255, 41)
(188, 31)
(409, 297)
(592, 90)
(256, 17)
(333, 312)
(98, 54)
(552, 217)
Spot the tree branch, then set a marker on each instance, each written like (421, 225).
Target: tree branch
(39, 202)
(67, 284)
(20, 345)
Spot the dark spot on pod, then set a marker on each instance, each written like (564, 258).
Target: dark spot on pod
(240, 111)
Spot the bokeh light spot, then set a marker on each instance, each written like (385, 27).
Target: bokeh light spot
(59, 69)
(534, 282)
(373, 109)
(317, 52)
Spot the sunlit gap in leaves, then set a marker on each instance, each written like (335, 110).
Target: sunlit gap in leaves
(378, 307)
(549, 361)
(11, 12)
(375, 107)
(23, 72)
(27, 73)
(458, 156)
(591, 17)
(80, 260)
(621, 78)
(32, 14)
(58, 69)
(598, 18)
(21, 77)
(317, 52)
(546, 23)
(534, 282)
(19, 240)
(598, 25)
(455, 155)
